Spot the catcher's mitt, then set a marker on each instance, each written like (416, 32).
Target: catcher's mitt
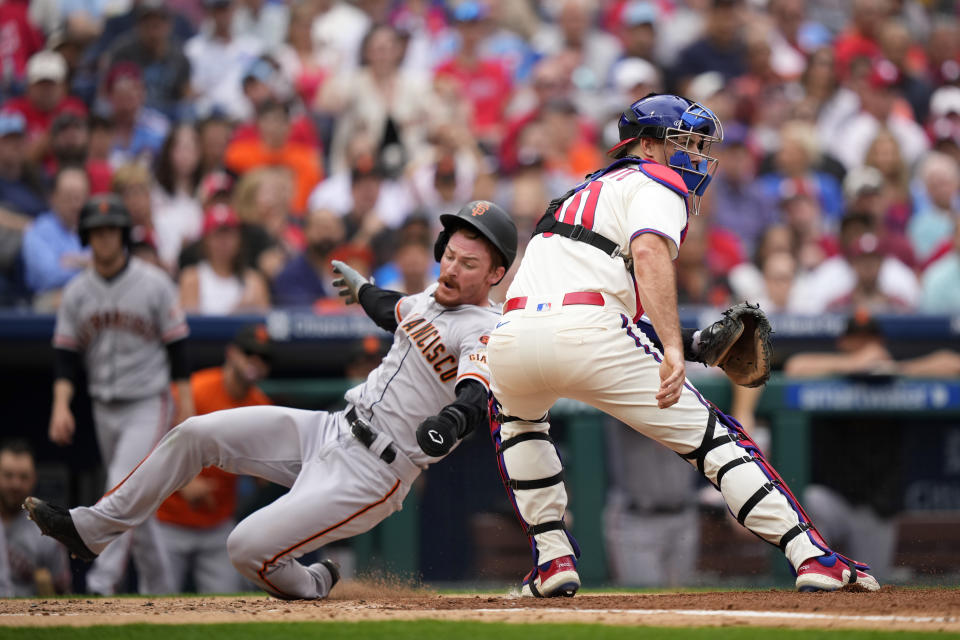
(739, 343)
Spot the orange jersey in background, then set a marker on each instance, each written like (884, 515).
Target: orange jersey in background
(209, 395)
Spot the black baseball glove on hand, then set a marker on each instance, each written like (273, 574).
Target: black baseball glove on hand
(437, 434)
(739, 343)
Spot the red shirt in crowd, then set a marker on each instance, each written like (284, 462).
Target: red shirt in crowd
(486, 86)
(18, 38)
(39, 122)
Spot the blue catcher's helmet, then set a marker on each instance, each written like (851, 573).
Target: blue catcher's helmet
(688, 128)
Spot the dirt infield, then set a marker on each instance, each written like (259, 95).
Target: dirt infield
(892, 608)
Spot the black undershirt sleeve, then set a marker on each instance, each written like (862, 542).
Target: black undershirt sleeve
(179, 359)
(66, 365)
(472, 402)
(379, 304)
(686, 335)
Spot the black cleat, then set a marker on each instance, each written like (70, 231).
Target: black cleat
(55, 521)
(334, 570)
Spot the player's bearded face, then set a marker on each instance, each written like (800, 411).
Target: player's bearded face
(466, 272)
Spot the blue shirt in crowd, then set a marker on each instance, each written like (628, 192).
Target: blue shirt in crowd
(298, 284)
(45, 245)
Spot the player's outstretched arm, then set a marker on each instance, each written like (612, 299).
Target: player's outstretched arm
(378, 303)
(437, 434)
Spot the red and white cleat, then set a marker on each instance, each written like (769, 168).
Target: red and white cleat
(557, 578)
(830, 572)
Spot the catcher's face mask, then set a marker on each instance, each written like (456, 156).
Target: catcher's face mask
(689, 144)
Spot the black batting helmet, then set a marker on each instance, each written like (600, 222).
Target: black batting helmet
(104, 211)
(487, 219)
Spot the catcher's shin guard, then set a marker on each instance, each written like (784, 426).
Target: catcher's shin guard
(532, 474)
(755, 493)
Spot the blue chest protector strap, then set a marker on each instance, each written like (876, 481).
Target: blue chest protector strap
(549, 223)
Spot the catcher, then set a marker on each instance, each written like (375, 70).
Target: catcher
(597, 278)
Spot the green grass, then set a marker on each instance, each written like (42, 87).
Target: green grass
(431, 629)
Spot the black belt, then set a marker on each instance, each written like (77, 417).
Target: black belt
(366, 435)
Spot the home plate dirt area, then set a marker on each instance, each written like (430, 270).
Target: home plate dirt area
(892, 608)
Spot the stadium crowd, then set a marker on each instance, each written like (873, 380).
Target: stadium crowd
(255, 140)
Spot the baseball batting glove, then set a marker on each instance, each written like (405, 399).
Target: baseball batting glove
(739, 343)
(349, 282)
(437, 434)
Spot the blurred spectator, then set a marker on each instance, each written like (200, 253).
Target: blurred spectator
(878, 101)
(792, 37)
(274, 147)
(860, 38)
(884, 155)
(390, 104)
(151, 47)
(22, 194)
(177, 213)
(550, 81)
(339, 27)
(218, 59)
(264, 20)
(869, 192)
(837, 278)
(196, 520)
(363, 223)
(651, 523)
(944, 125)
(811, 243)
(866, 255)
(638, 30)
(263, 83)
(445, 175)
(220, 284)
(943, 50)
(485, 84)
(796, 170)
(740, 204)
(215, 132)
(138, 131)
(940, 291)
(719, 48)
(52, 253)
(896, 46)
(46, 98)
(413, 267)
(118, 26)
(69, 140)
(755, 281)
(587, 51)
(38, 564)
(305, 67)
(99, 144)
(699, 280)
(270, 237)
(931, 226)
(132, 183)
(21, 40)
(567, 153)
(307, 276)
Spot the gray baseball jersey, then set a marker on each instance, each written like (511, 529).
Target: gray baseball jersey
(122, 326)
(434, 348)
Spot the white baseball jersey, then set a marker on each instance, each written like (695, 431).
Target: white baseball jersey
(122, 326)
(434, 348)
(620, 206)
